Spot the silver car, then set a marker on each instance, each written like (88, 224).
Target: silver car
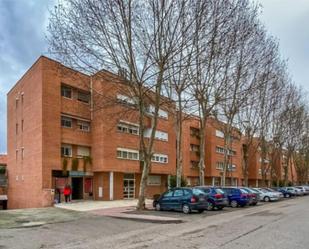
(267, 195)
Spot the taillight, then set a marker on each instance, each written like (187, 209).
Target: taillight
(193, 199)
(218, 196)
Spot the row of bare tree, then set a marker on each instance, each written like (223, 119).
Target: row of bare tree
(212, 58)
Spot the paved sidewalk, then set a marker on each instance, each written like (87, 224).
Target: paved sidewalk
(85, 206)
(122, 209)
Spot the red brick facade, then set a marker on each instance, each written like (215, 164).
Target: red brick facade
(65, 127)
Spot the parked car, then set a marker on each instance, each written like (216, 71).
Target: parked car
(253, 195)
(298, 192)
(293, 191)
(267, 195)
(303, 189)
(182, 199)
(286, 193)
(236, 196)
(215, 196)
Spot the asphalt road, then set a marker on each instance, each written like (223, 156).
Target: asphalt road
(281, 225)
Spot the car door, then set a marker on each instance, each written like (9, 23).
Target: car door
(166, 200)
(177, 199)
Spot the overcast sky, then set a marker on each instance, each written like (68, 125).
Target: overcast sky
(22, 40)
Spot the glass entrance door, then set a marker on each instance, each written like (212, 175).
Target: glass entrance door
(128, 186)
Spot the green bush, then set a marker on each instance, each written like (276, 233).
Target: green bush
(173, 182)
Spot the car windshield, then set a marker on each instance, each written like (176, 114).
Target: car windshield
(219, 191)
(248, 190)
(197, 191)
(243, 191)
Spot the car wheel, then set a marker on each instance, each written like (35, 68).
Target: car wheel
(186, 209)
(254, 204)
(219, 208)
(200, 211)
(266, 199)
(210, 206)
(234, 204)
(158, 207)
(287, 196)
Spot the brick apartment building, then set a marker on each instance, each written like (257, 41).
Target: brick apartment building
(54, 138)
(65, 127)
(214, 154)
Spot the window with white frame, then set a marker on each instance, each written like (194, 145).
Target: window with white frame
(83, 151)
(83, 126)
(128, 128)
(66, 122)
(219, 165)
(22, 153)
(66, 92)
(66, 150)
(128, 154)
(260, 171)
(159, 158)
(160, 135)
(125, 99)
(220, 150)
(231, 167)
(161, 113)
(83, 97)
(154, 180)
(219, 134)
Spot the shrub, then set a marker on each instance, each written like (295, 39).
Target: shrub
(173, 182)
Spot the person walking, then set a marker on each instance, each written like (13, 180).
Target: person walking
(67, 193)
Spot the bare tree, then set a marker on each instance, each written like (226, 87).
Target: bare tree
(139, 38)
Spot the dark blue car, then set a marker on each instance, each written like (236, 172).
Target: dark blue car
(216, 197)
(286, 193)
(182, 199)
(237, 196)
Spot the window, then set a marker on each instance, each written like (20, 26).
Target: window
(127, 154)
(22, 125)
(178, 193)
(22, 98)
(159, 158)
(66, 150)
(194, 164)
(66, 122)
(160, 135)
(194, 147)
(231, 167)
(219, 165)
(16, 129)
(219, 134)
(128, 128)
(260, 171)
(195, 132)
(169, 193)
(125, 99)
(83, 126)
(154, 180)
(66, 92)
(161, 113)
(83, 151)
(16, 154)
(220, 150)
(83, 97)
(16, 102)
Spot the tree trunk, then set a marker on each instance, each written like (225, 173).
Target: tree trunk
(179, 145)
(141, 197)
(202, 152)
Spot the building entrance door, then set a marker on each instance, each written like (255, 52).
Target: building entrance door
(128, 186)
(77, 188)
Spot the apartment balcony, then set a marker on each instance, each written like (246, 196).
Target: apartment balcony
(75, 107)
(76, 164)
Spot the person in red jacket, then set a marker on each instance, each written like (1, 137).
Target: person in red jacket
(67, 193)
